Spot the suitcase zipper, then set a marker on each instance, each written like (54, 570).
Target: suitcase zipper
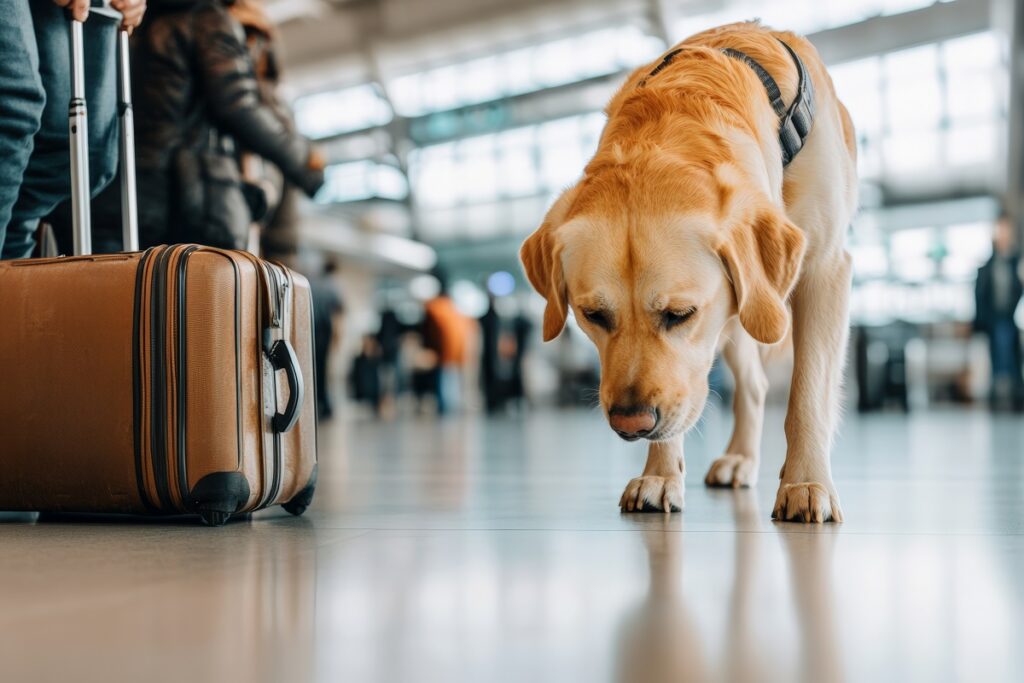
(276, 302)
(137, 373)
(181, 385)
(278, 447)
(278, 294)
(158, 343)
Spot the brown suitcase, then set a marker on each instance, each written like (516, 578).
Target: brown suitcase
(178, 380)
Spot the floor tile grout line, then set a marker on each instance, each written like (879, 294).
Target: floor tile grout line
(367, 530)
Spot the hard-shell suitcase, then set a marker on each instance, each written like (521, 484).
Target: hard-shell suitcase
(175, 380)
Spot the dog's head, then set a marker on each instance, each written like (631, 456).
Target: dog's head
(653, 267)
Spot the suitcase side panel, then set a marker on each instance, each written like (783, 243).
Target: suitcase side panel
(218, 383)
(67, 437)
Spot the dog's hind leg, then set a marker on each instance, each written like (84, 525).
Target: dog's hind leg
(739, 466)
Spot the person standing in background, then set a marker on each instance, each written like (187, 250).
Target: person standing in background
(523, 330)
(35, 88)
(364, 377)
(997, 293)
(196, 91)
(258, 174)
(491, 379)
(389, 338)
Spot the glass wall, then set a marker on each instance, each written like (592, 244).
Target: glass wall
(802, 16)
(520, 162)
(930, 120)
(523, 70)
(936, 109)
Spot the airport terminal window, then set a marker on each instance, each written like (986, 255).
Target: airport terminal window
(923, 115)
(921, 274)
(929, 108)
(858, 84)
(802, 16)
(870, 261)
(342, 111)
(912, 254)
(968, 247)
(359, 180)
(522, 70)
(519, 162)
(479, 177)
(907, 123)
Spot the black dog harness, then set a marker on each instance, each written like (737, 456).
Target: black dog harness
(795, 122)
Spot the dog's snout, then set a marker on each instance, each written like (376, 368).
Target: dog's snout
(633, 422)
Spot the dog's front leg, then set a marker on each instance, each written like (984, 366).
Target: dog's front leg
(660, 487)
(820, 326)
(739, 466)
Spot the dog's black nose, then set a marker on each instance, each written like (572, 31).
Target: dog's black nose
(633, 422)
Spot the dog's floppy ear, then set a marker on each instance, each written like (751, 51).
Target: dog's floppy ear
(541, 254)
(763, 253)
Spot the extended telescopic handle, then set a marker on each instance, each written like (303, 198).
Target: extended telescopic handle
(78, 127)
(129, 192)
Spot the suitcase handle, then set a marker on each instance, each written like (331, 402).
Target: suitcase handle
(78, 127)
(282, 357)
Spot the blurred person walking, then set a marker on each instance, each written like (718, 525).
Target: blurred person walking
(446, 332)
(197, 91)
(997, 293)
(35, 88)
(389, 337)
(522, 329)
(364, 377)
(328, 306)
(491, 378)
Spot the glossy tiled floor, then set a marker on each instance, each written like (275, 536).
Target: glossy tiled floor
(487, 551)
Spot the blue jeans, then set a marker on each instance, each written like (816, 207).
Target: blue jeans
(1004, 345)
(35, 87)
(21, 101)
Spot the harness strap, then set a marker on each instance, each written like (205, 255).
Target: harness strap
(795, 123)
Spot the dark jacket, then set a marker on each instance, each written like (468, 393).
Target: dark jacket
(985, 311)
(196, 95)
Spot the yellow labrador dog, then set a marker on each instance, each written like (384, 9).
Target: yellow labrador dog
(712, 215)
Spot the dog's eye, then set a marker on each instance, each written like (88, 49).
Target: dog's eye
(673, 318)
(599, 318)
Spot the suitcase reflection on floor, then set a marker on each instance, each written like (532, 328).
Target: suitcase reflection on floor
(233, 605)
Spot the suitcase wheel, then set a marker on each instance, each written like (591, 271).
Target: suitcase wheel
(214, 517)
(217, 496)
(294, 507)
(303, 498)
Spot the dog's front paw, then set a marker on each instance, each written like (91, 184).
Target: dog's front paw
(652, 494)
(732, 470)
(807, 501)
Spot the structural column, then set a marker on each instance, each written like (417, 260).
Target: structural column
(1008, 17)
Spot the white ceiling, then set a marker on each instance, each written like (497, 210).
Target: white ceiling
(347, 40)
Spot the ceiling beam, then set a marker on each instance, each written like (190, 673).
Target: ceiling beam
(878, 35)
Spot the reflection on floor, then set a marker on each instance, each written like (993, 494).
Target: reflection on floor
(492, 550)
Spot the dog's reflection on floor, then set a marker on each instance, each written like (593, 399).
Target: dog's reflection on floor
(661, 640)
(810, 569)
